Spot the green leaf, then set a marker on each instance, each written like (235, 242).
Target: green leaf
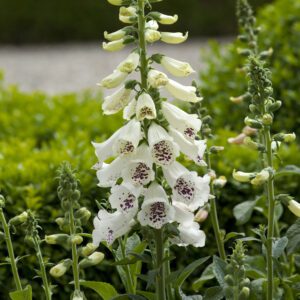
(192, 297)
(148, 295)
(219, 269)
(103, 289)
(186, 272)
(256, 288)
(293, 235)
(243, 211)
(128, 297)
(25, 294)
(206, 275)
(214, 293)
(288, 170)
(231, 235)
(279, 246)
(255, 267)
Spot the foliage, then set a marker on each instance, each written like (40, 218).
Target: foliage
(60, 21)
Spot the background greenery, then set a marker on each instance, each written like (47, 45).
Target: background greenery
(38, 132)
(46, 21)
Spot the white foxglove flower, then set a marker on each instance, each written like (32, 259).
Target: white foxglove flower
(166, 19)
(139, 170)
(110, 226)
(185, 123)
(127, 14)
(261, 177)
(130, 63)
(145, 107)
(156, 210)
(110, 173)
(114, 45)
(243, 176)
(157, 79)
(187, 187)
(152, 35)
(129, 110)
(182, 213)
(194, 150)
(182, 92)
(125, 199)
(173, 37)
(117, 101)
(190, 234)
(152, 24)
(113, 80)
(163, 149)
(176, 67)
(123, 141)
(294, 207)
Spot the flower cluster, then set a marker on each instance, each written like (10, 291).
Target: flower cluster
(146, 148)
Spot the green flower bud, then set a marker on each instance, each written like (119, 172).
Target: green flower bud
(281, 137)
(229, 280)
(83, 214)
(2, 202)
(207, 120)
(88, 249)
(267, 119)
(17, 220)
(243, 176)
(92, 260)
(253, 123)
(201, 215)
(244, 294)
(61, 268)
(294, 207)
(272, 107)
(216, 149)
(78, 295)
(57, 239)
(261, 177)
(253, 108)
(77, 239)
(265, 54)
(244, 52)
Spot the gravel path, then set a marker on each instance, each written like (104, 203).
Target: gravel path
(73, 67)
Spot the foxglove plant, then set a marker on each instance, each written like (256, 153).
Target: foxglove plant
(146, 148)
(262, 107)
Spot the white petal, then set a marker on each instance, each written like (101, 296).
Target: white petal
(114, 45)
(152, 35)
(130, 63)
(194, 150)
(156, 211)
(167, 20)
(129, 110)
(145, 108)
(110, 173)
(127, 14)
(185, 123)
(173, 37)
(113, 80)
(176, 67)
(173, 172)
(117, 101)
(157, 79)
(163, 149)
(152, 24)
(110, 226)
(115, 35)
(139, 170)
(181, 92)
(182, 213)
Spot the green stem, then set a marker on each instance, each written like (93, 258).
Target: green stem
(160, 277)
(10, 251)
(169, 290)
(271, 213)
(74, 250)
(214, 216)
(47, 289)
(130, 284)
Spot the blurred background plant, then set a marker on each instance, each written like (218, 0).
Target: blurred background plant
(38, 132)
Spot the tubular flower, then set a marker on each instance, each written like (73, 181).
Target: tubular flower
(113, 36)
(113, 80)
(187, 187)
(139, 170)
(181, 92)
(157, 79)
(117, 101)
(123, 141)
(115, 45)
(163, 149)
(110, 226)
(130, 63)
(173, 37)
(156, 210)
(152, 35)
(129, 110)
(294, 207)
(194, 150)
(243, 176)
(166, 19)
(185, 123)
(145, 107)
(127, 14)
(176, 67)
(152, 24)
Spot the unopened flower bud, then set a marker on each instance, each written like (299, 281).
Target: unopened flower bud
(265, 54)
(57, 239)
(77, 239)
(83, 214)
(201, 215)
(253, 145)
(237, 100)
(61, 268)
(216, 149)
(268, 90)
(294, 207)
(238, 140)
(244, 294)
(229, 280)
(17, 220)
(220, 182)
(88, 249)
(244, 52)
(272, 107)
(249, 131)
(212, 174)
(207, 120)
(281, 137)
(92, 260)
(2, 202)
(243, 176)
(267, 119)
(261, 177)
(127, 14)
(78, 295)
(163, 19)
(253, 108)
(152, 35)
(253, 123)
